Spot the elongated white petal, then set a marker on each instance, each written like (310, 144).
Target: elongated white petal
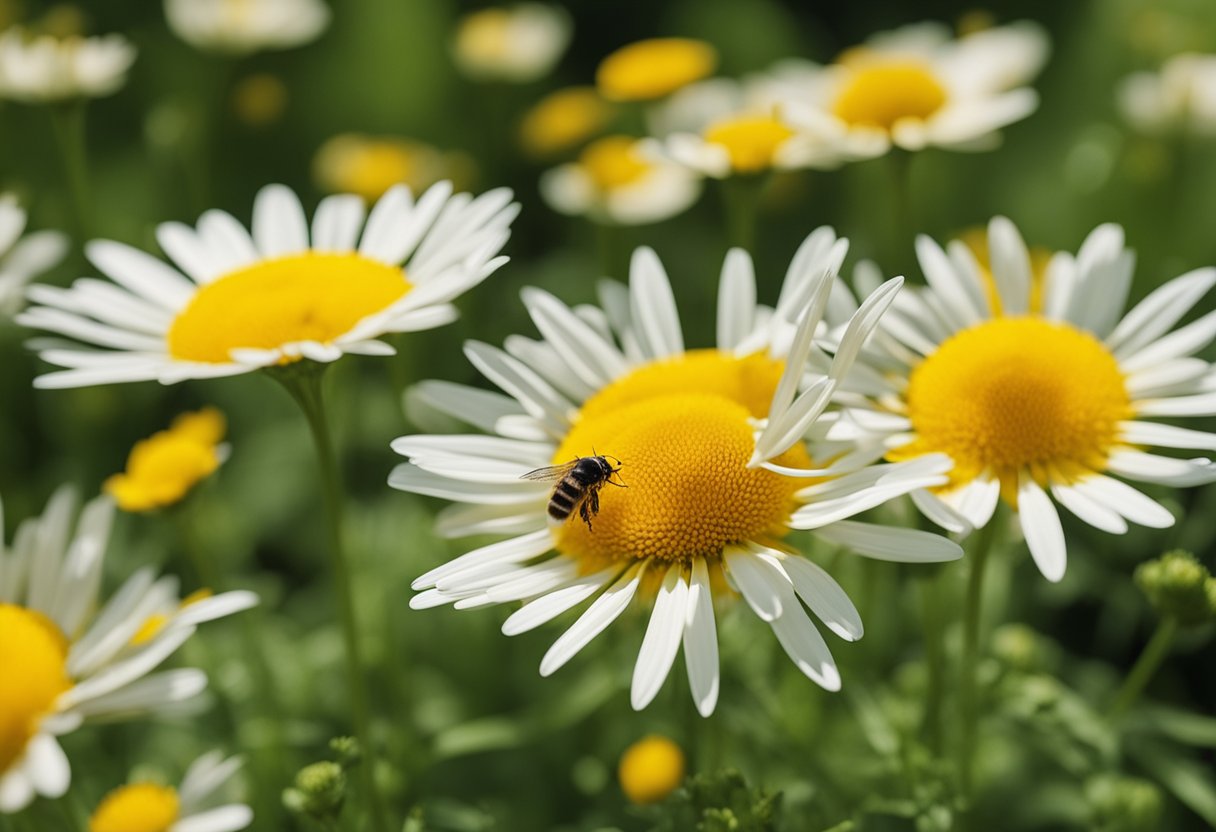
(1089, 510)
(736, 299)
(890, 542)
(229, 818)
(824, 596)
(1010, 266)
(753, 578)
(653, 306)
(515, 550)
(1041, 525)
(701, 640)
(602, 612)
(1159, 311)
(941, 513)
(861, 325)
(1127, 501)
(1181, 473)
(662, 639)
(1166, 436)
(550, 606)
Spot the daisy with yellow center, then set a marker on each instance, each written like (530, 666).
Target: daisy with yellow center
(563, 120)
(284, 292)
(515, 44)
(68, 658)
(242, 27)
(151, 807)
(915, 87)
(45, 68)
(162, 469)
(23, 258)
(616, 181)
(651, 769)
(651, 69)
(1042, 396)
(713, 455)
(1180, 96)
(370, 165)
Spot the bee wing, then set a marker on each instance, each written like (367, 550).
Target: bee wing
(552, 473)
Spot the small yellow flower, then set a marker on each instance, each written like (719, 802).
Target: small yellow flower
(370, 165)
(563, 120)
(139, 807)
(651, 69)
(163, 468)
(651, 769)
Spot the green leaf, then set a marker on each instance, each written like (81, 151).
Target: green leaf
(1193, 784)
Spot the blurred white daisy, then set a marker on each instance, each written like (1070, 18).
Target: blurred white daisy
(711, 446)
(1181, 96)
(42, 68)
(23, 258)
(287, 291)
(152, 807)
(516, 44)
(616, 181)
(245, 26)
(915, 87)
(647, 70)
(68, 658)
(1039, 387)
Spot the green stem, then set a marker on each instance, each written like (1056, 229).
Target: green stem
(609, 239)
(977, 556)
(935, 660)
(68, 124)
(903, 223)
(304, 383)
(1142, 672)
(741, 197)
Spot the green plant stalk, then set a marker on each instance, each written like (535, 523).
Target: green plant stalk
(977, 556)
(935, 661)
(68, 125)
(304, 383)
(741, 196)
(1146, 666)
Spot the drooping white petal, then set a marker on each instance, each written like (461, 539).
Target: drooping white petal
(662, 639)
(1041, 525)
(1089, 510)
(824, 596)
(890, 542)
(701, 640)
(602, 612)
(551, 605)
(1127, 501)
(753, 579)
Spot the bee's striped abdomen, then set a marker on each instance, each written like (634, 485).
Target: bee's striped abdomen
(565, 497)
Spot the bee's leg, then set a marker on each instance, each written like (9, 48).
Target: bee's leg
(584, 511)
(594, 499)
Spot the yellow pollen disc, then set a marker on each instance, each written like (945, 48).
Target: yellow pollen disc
(976, 239)
(370, 165)
(485, 36)
(162, 469)
(564, 119)
(751, 142)
(680, 429)
(651, 69)
(33, 655)
(879, 93)
(140, 807)
(1017, 394)
(613, 162)
(306, 297)
(651, 769)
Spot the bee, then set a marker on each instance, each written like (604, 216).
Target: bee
(578, 484)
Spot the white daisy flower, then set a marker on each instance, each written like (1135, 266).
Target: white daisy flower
(152, 807)
(710, 444)
(1181, 96)
(915, 87)
(242, 301)
(23, 258)
(616, 181)
(43, 68)
(515, 44)
(244, 26)
(1039, 387)
(68, 658)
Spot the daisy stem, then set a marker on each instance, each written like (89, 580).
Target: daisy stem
(305, 386)
(977, 557)
(903, 224)
(68, 124)
(935, 659)
(1154, 653)
(741, 197)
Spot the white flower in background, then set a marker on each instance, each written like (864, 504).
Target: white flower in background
(712, 446)
(68, 658)
(516, 44)
(42, 68)
(23, 258)
(286, 291)
(915, 87)
(615, 180)
(152, 807)
(1181, 96)
(1039, 387)
(723, 127)
(245, 26)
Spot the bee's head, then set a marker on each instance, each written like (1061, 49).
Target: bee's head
(606, 463)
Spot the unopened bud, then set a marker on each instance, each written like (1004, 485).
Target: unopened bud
(1178, 585)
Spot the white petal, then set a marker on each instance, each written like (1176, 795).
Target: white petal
(279, 224)
(890, 542)
(1166, 436)
(223, 819)
(736, 299)
(824, 596)
(1159, 311)
(1180, 473)
(336, 224)
(47, 766)
(602, 612)
(653, 306)
(514, 550)
(1089, 510)
(754, 579)
(1127, 501)
(1010, 266)
(550, 606)
(1041, 526)
(701, 640)
(662, 639)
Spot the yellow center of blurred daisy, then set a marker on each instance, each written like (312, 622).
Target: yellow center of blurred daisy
(305, 297)
(562, 120)
(613, 162)
(879, 93)
(162, 469)
(155, 623)
(1017, 394)
(651, 69)
(681, 432)
(485, 35)
(33, 655)
(140, 807)
(651, 769)
(750, 141)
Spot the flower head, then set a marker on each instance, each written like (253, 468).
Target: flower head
(68, 658)
(651, 69)
(151, 807)
(1039, 388)
(44, 68)
(285, 292)
(241, 27)
(712, 453)
(23, 258)
(370, 165)
(163, 468)
(651, 769)
(1181, 96)
(515, 44)
(563, 120)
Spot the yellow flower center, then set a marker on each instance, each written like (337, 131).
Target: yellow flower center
(302, 297)
(651, 69)
(33, 655)
(563, 119)
(369, 166)
(485, 36)
(1017, 394)
(651, 769)
(879, 93)
(156, 622)
(140, 807)
(162, 469)
(613, 162)
(680, 429)
(750, 141)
